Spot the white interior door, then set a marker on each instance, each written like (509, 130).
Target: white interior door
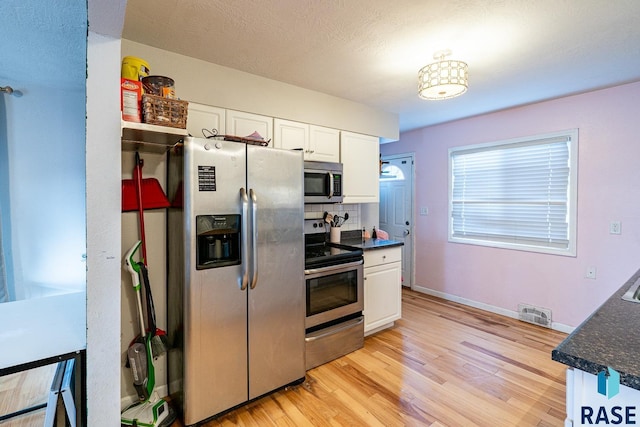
(396, 207)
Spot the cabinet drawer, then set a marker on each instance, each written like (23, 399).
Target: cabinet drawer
(334, 341)
(382, 256)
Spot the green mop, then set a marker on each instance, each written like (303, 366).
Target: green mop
(150, 410)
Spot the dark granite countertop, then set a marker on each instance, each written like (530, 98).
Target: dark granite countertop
(355, 240)
(607, 338)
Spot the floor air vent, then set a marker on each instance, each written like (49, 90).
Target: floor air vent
(536, 315)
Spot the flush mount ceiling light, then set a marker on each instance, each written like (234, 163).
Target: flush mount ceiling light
(443, 79)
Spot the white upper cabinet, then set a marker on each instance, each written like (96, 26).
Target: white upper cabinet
(205, 117)
(318, 143)
(239, 123)
(360, 155)
(324, 144)
(291, 135)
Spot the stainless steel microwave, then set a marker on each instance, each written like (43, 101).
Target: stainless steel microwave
(322, 182)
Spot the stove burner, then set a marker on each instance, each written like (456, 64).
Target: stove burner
(319, 253)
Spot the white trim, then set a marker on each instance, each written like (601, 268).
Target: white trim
(379, 328)
(412, 227)
(571, 250)
(486, 307)
(570, 388)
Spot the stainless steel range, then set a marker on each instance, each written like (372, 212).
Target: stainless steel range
(334, 297)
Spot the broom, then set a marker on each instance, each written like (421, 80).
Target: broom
(140, 194)
(158, 337)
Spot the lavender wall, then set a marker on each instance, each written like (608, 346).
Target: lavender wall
(608, 190)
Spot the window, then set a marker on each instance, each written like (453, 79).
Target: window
(517, 194)
(391, 173)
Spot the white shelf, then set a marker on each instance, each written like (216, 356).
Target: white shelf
(149, 138)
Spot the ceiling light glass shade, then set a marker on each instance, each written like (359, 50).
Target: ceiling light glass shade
(443, 79)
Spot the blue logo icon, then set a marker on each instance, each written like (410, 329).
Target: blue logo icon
(609, 382)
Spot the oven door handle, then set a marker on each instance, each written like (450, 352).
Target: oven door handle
(245, 239)
(334, 267)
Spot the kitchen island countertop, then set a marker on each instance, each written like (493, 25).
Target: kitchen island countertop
(610, 337)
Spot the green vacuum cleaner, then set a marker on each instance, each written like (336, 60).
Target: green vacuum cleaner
(150, 410)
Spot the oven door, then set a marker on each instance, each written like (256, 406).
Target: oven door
(333, 292)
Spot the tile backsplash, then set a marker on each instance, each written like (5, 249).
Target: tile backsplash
(353, 223)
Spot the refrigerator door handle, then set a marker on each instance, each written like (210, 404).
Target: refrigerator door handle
(254, 238)
(245, 239)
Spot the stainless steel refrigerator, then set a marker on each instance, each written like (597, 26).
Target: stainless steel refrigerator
(235, 254)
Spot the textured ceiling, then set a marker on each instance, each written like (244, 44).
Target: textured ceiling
(370, 51)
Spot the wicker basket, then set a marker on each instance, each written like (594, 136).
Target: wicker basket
(161, 111)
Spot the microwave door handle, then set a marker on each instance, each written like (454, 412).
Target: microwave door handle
(330, 195)
(245, 239)
(254, 238)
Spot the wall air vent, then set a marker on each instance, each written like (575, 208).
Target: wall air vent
(536, 315)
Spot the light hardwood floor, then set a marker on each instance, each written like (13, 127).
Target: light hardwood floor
(443, 364)
(25, 390)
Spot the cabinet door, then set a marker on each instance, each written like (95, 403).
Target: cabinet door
(291, 135)
(382, 295)
(360, 155)
(205, 117)
(324, 144)
(239, 123)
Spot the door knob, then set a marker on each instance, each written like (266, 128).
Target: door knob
(407, 232)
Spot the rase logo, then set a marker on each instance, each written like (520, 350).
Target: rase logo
(609, 382)
(609, 386)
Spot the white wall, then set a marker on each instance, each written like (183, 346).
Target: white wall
(104, 262)
(43, 219)
(42, 142)
(45, 129)
(212, 84)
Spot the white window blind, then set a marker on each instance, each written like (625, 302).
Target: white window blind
(515, 194)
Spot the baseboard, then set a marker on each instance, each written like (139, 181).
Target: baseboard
(378, 329)
(486, 307)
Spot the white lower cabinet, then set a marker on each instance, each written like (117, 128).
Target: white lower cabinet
(382, 288)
